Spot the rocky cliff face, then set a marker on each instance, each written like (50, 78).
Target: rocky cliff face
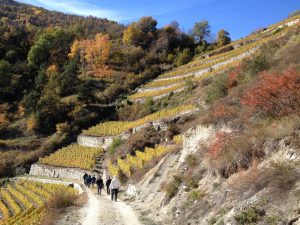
(217, 200)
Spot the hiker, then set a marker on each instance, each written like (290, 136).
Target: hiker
(85, 176)
(114, 186)
(89, 181)
(93, 180)
(100, 185)
(108, 181)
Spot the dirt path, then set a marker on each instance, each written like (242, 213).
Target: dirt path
(100, 210)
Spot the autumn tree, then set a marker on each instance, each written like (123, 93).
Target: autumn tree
(201, 31)
(223, 38)
(141, 32)
(147, 24)
(93, 54)
(132, 35)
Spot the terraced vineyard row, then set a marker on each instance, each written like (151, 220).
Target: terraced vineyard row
(73, 156)
(113, 128)
(180, 86)
(153, 93)
(137, 162)
(159, 83)
(23, 202)
(173, 81)
(262, 34)
(196, 65)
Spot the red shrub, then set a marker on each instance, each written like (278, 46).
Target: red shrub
(232, 77)
(223, 110)
(216, 148)
(275, 94)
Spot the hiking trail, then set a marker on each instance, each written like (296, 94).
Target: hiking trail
(100, 210)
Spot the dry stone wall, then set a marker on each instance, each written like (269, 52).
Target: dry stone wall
(91, 141)
(42, 170)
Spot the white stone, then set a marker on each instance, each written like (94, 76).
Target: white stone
(131, 191)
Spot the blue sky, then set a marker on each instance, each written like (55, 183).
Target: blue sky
(239, 17)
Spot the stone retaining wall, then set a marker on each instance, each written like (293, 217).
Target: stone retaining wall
(43, 170)
(148, 89)
(91, 141)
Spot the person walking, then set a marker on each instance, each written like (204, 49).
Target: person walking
(107, 185)
(114, 186)
(89, 181)
(93, 180)
(85, 176)
(100, 185)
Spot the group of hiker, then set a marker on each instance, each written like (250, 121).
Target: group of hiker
(112, 185)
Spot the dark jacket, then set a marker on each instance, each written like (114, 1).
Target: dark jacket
(100, 183)
(85, 176)
(108, 182)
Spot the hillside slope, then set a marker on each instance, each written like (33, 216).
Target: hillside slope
(239, 159)
(213, 141)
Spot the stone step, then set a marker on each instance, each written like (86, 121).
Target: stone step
(99, 157)
(98, 167)
(98, 171)
(99, 160)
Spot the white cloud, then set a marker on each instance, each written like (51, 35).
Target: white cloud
(79, 8)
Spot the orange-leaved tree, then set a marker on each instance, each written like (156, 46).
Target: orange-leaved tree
(93, 54)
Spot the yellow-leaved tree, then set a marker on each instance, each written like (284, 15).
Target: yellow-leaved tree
(93, 54)
(132, 35)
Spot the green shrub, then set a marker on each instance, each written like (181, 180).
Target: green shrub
(217, 89)
(212, 220)
(250, 215)
(114, 145)
(192, 183)
(283, 175)
(272, 220)
(173, 187)
(191, 160)
(183, 57)
(253, 66)
(196, 195)
(189, 85)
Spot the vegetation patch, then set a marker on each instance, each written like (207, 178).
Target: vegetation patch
(73, 156)
(250, 215)
(25, 202)
(112, 128)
